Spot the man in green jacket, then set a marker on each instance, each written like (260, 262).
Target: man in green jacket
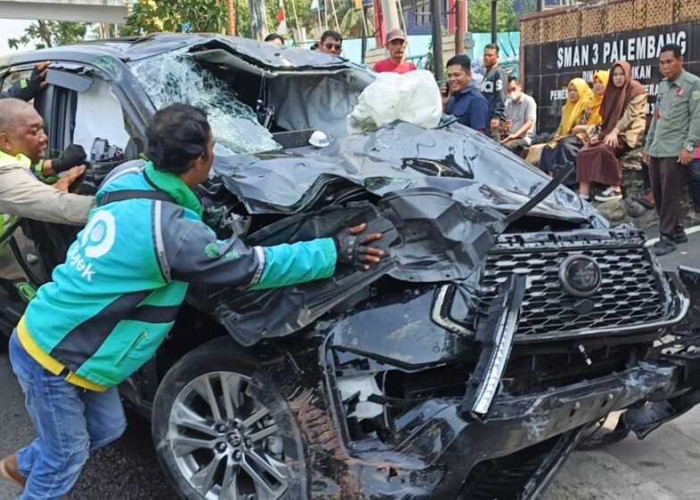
(110, 306)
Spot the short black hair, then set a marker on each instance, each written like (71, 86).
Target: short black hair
(274, 36)
(672, 47)
(331, 34)
(493, 46)
(177, 134)
(512, 79)
(461, 60)
(314, 46)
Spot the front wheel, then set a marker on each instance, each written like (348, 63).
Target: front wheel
(222, 431)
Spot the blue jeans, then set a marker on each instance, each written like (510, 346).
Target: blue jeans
(70, 422)
(694, 175)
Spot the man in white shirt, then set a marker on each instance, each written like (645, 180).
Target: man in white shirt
(521, 118)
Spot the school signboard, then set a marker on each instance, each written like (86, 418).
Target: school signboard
(560, 46)
(549, 67)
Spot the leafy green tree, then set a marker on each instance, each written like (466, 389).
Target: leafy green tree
(44, 34)
(480, 16)
(351, 25)
(150, 16)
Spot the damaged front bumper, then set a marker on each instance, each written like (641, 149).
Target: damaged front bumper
(441, 449)
(437, 448)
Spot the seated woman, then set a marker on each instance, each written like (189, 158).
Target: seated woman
(622, 129)
(569, 138)
(595, 112)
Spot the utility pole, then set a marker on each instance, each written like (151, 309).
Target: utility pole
(258, 19)
(391, 16)
(231, 18)
(540, 5)
(459, 23)
(494, 21)
(436, 18)
(364, 36)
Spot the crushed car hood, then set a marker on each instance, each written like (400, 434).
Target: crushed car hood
(440, 197)
(471, 168)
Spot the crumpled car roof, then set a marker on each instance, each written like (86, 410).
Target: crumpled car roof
(261, 54)
(268, 55)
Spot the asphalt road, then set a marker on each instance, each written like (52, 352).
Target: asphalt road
(663, 467)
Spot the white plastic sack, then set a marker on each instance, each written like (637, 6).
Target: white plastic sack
(412, 97)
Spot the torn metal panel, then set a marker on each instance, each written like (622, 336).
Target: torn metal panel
(430, 238)
(495, 334)
(409, 339)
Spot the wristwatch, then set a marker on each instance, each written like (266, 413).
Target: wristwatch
(689, 148)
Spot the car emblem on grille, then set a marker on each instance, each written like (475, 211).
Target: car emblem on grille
(580, 276)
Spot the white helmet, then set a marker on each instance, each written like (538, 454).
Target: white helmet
(319, 140)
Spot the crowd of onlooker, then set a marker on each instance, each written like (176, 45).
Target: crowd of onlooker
(599, 124)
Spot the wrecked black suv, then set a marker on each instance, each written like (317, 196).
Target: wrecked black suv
(508, 321)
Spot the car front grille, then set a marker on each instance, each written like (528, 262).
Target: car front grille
(631, 293)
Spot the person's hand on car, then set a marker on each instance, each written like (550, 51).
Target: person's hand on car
(355, 249)
(28, 88)
(37, 80)
(65, 182)
(73, 156)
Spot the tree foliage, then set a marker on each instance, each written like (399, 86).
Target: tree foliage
(480, 15)
(44, 34)
(351, 24)
(150, 16)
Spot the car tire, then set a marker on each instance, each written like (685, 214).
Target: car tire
(208, 444)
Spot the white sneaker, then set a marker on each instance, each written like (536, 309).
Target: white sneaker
(609, 194)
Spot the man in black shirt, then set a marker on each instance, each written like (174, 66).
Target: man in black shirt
(494, 89)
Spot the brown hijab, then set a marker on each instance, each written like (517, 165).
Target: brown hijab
(616, 99)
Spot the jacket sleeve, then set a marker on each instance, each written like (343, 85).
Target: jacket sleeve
(501, 95)
(693, 138)
(24, 195)
(480, 115)
(191, 252)
(634, 111)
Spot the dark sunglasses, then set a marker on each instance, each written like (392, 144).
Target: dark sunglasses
(333, 46)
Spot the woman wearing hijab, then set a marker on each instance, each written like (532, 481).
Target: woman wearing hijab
(595, 112)
(622, 129)
(570, 135)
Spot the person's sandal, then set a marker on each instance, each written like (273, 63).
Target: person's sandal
(9, 470)
(609, 194)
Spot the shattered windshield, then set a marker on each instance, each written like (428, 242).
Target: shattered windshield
(176, 77)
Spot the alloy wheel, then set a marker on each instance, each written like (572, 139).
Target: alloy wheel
(225, 442)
